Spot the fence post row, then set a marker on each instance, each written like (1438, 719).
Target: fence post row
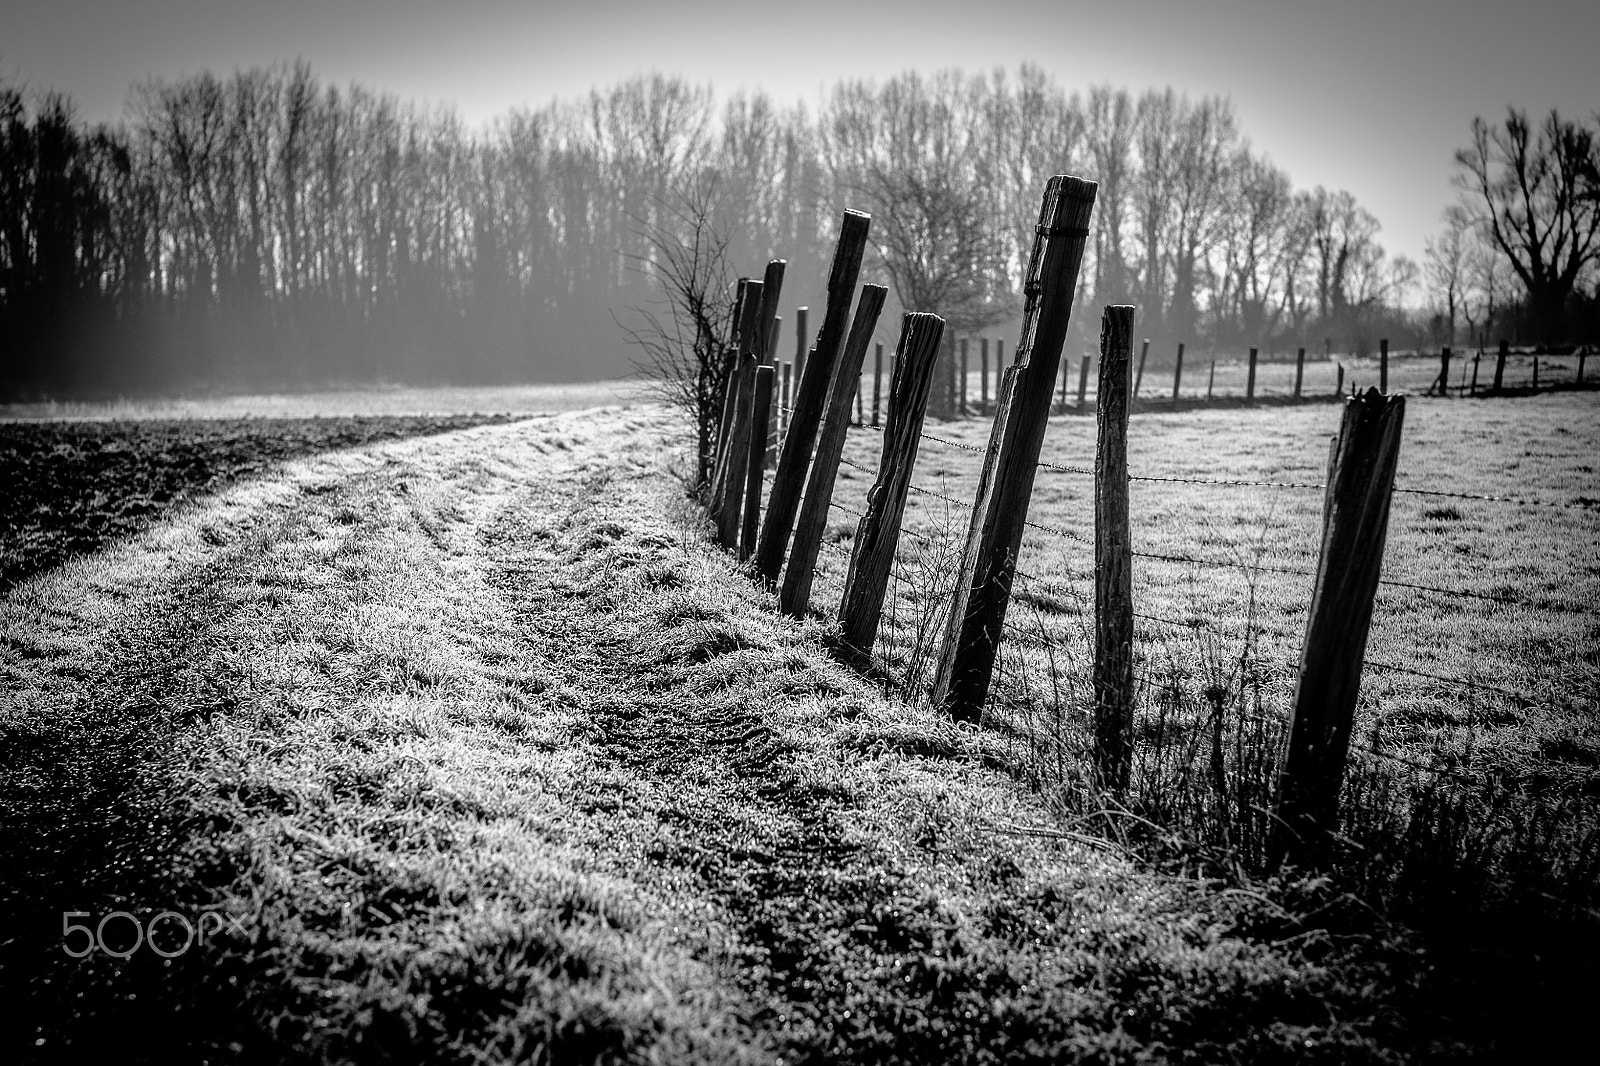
(988, 564)
(810, 395)
(1355, 526)
(731, 490)
(878, 533)
(795, 595)
(760, 422)
(1113, 558)
(730, 370)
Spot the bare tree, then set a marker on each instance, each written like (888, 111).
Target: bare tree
(681, 339)
(1536, 191)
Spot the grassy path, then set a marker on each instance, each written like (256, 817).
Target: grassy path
(481, 754)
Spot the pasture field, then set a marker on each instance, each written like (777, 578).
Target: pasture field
(485, 753)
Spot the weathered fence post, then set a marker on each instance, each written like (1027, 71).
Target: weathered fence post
(1355, 525)
(1250, 378)
(810, 395)
(1113, 559)
(760, 421)
(989, 559)
(1211, 379)
(1383, 365)
(962, 402)
(731, 493)
(1299, 370)
(1500, 364)
(877, 380)
(1138, 374)
(731, 358)
(1083, 381)
(1177, 373)
(795, 594)
(983, 373)
(801, 340)
(878, 533)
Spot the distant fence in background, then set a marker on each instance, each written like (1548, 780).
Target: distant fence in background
(964, 624)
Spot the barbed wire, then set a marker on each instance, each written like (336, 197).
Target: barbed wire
(1461, 682)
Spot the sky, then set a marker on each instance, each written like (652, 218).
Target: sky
(1350, 94)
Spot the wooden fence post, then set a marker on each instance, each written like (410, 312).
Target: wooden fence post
(999, 361)
(1138, 375)
(1473, 388)
(788, 381)
(1536, 371)
(795, 595)
(1338, 389)
(1211, 379)
(731, 494)
(1250, 378)
(877, 380)
(1083, 380)
(1383, 365)
(1177, 372)
(1113, 559)
(989, 559)
(1299, 370)
(1500, 364)
(1355, 526)
(760, 420)
(878, 533)
(983, 374)
(962, 402)
(731, 358)
(1444, 371)
(810, 396)
(801, 340)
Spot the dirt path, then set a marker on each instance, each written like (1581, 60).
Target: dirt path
(484, 754)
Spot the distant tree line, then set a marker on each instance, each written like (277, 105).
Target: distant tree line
(268, 230)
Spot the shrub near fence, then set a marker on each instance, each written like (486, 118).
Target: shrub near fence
(1344, 588)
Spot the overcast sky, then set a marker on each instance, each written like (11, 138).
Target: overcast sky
(1368, 96)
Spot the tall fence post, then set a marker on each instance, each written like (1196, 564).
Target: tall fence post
(731, 489)
(1250, 377)
(877, 380)
(760, 421)
(810, 395)
(961, 407)
(1383, 365)
(1177, 372)
(1083, 380)
(795, 594)
(1113, 558)
(1500, 364)
(1299, 370)
(1138, 374)
(801, 340)
(878, 533)
(989, 559)
(1355, 526)
(983, 373)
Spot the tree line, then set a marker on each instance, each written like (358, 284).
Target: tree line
(267, 229)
